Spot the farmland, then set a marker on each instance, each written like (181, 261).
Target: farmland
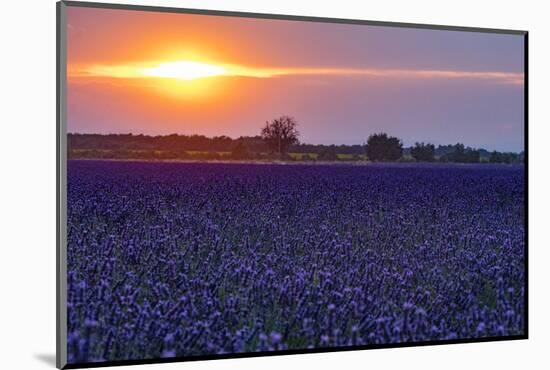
(186, 259)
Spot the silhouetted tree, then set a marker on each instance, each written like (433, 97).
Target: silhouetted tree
(495, 157)
(423, 152)
(381, 147)
(280, 133)
(498, 157)
(472, 156)
(460, 154)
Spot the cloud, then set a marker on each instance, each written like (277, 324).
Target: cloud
(143, 70)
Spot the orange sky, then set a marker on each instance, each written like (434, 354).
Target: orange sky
(134, 71)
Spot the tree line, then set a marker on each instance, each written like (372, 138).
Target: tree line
(278, 138)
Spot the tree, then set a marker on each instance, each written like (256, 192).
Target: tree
(240, 151)
(472, 156)
(460, 154)
(280, 133)
(498, 157)
(381, 147)
(456, 154)
(423, 152)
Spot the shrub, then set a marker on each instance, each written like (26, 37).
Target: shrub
(423, 152)
(381, 147)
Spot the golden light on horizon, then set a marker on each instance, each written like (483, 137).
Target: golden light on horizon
(184, 70)
(189, 70)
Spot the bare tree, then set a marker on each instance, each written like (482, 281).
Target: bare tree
(280, 134)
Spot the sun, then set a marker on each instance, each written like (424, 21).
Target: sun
(184, 70)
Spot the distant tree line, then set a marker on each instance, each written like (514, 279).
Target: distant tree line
(423, 152)
(254, 144)
(381, 147)
(278, 139)
(498, 157)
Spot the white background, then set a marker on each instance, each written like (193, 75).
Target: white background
(27, 181)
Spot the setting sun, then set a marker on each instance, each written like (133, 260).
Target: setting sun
(160, 73)
(184, 70)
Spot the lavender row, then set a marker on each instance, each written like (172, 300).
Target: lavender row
(174, 259)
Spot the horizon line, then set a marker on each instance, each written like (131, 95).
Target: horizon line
(300, 143)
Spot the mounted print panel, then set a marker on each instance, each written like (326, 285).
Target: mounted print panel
(237, 184)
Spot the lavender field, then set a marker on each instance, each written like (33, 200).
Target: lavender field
(186, 259)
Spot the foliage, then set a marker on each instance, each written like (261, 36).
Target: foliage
(423, 152)
(381, 147)
(460, 154)
(498, 157)
(280, 133)
(198, 147)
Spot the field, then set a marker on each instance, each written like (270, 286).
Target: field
(149, 154)
(184, 259)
